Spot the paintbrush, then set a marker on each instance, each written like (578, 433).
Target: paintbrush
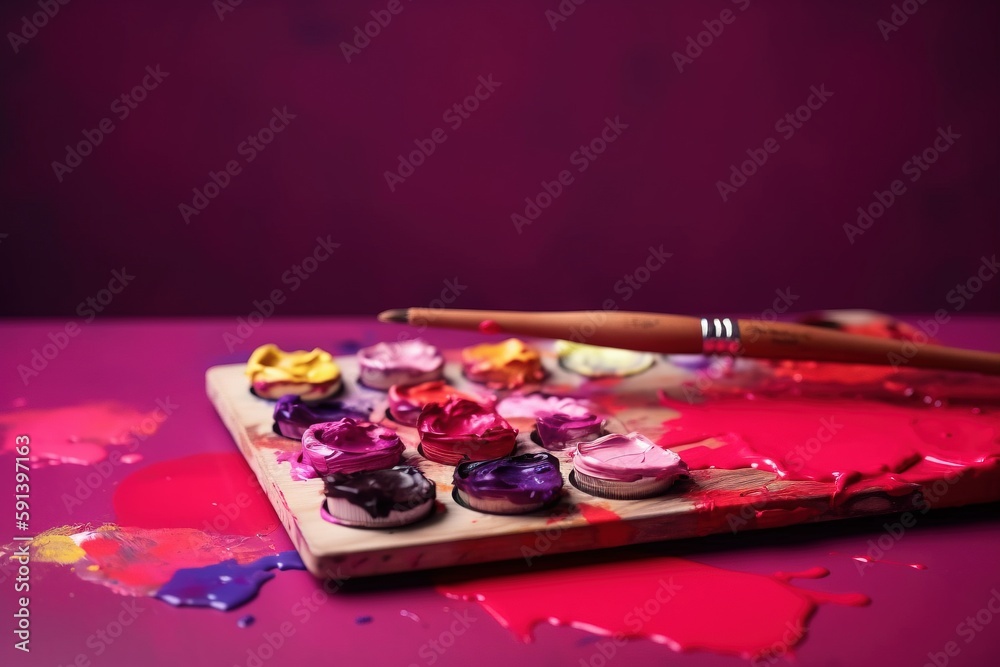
(680, 334)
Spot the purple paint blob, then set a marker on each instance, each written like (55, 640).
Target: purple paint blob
(292, 415)
(558, 430)
(226, 585)
(246, 621)
(363, 620)
(528, 479)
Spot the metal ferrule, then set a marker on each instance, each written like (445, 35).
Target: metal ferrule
(720, 335)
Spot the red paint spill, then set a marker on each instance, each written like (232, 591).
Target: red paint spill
(137, 561)
(489, 327)
(211, 492)
(595, 514)
(685, 605)
(834, 439)
(78, 434)
(609, 528)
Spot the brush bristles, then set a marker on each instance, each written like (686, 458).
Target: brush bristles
(399, 315)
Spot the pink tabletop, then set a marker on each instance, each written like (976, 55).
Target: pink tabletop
(915, 616)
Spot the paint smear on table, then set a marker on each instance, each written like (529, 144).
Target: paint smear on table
(685, 605)
(840, 440)
(226, 585)
(138, 561)
(78, 434)
(211, 492)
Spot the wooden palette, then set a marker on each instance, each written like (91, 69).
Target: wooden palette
(711, 501)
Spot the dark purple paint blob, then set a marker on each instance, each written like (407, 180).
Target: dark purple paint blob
(226, 585)
(379, 492)
(246, 621)
(292, 415)
(363, 620)
(555, 430)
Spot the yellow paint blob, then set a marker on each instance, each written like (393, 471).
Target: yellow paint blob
(59, 549)
(505, 365)
(274, 372)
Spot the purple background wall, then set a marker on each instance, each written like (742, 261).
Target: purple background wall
(324, 175)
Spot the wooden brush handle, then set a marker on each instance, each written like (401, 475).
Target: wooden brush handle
(680, 334)
(648, 332)
(780, 340)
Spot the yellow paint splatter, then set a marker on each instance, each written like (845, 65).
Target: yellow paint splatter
(57, 549)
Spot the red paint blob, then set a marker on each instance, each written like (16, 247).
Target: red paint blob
(685, 605)
(216, 493)
(489, 327)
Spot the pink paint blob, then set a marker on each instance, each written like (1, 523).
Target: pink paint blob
(348, 445)
(686, 605)
(299, 470)
(78, 434)
(211, 492)
(627, 458)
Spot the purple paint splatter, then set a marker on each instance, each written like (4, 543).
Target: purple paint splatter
(226, 585)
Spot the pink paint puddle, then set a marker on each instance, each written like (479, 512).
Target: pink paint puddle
(685, 605)
(77, 434)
